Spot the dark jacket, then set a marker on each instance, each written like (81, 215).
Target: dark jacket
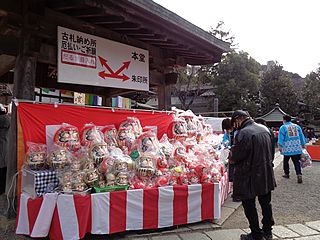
(4, 128)
(252, 156)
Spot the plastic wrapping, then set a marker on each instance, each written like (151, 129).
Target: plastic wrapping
(305, 160)
(68, 136)
(58, 157)
(110, 135)
(98, 152)
(178, 129)
(90, 134)
(132, 123)
(36, 156)
(126, 139)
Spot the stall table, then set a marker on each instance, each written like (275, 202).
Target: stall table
(64, 216)
(314, 152)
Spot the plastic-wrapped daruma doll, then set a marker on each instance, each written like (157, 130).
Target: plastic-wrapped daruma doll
(98, 152)
(134, 124)
(183, 180)
(122, 179)
(145, 166)
(162, 164)
(58, 158)
(110, 179)
(36, 155)
(90, 134)
(68, 136)
(110, 135)
(189, 117)
(148, 141)
(193, 178)
(178, 129)
(180, 153)
(125, 138)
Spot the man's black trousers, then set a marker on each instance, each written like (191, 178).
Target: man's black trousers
(251, 213)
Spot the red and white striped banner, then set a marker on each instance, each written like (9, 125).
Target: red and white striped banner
(72, 216)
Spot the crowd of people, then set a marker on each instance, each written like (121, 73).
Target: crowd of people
(252, 146)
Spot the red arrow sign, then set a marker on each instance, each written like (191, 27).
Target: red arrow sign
(113, 74)
(104, 75)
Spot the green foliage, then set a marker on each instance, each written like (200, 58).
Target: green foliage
(312, 90)
(236, 79)
(277, 87)
(224, 35)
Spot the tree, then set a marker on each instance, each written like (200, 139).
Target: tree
(224, 35)
(277, 87)
(190, 84)
(236, 79)
(311, 91)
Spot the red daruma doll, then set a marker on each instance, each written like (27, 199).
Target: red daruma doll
(110, 135)
(178, 129)
(90, 134)
(134, 124)
(67, 136)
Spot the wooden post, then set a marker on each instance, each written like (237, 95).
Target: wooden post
(24, 84)
(164, 97)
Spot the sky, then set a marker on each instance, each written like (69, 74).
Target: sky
(286, 31)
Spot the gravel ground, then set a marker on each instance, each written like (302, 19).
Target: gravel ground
(292, 202)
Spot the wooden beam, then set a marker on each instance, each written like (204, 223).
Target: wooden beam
(53, 19)
(65, 5)
(106, 20)
(135, 14)
(154, 37)
(122, 26)
(84, 13)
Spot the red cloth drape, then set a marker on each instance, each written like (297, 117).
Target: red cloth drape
(35, 117)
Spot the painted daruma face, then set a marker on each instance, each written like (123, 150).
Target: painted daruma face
(68, 137)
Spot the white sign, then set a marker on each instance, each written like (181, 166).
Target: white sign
(89, 60)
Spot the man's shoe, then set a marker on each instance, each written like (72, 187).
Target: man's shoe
(299, 178)
(286, 176)
(236, 200)
(268, 236)
(250, 237)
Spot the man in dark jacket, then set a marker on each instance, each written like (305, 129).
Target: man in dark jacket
(4, 128)
(253, 174)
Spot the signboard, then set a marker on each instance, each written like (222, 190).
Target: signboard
(89, 60)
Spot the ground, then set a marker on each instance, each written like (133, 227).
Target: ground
(292, 202)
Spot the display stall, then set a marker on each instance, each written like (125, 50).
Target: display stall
(314, 151)
(144, 183)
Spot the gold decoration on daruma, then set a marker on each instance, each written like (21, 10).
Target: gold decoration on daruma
(98, 152)
(36, 155)
(58, 159)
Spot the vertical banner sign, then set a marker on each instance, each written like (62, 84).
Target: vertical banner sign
(89, 60)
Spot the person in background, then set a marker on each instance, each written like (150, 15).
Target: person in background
(291, 141)
(227, 129)
(4, 129)
(227, 141)
(253, 173)
(273, 138)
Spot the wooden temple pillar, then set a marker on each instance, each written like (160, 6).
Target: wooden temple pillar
(24, 85)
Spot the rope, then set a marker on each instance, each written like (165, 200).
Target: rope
(13, 184)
